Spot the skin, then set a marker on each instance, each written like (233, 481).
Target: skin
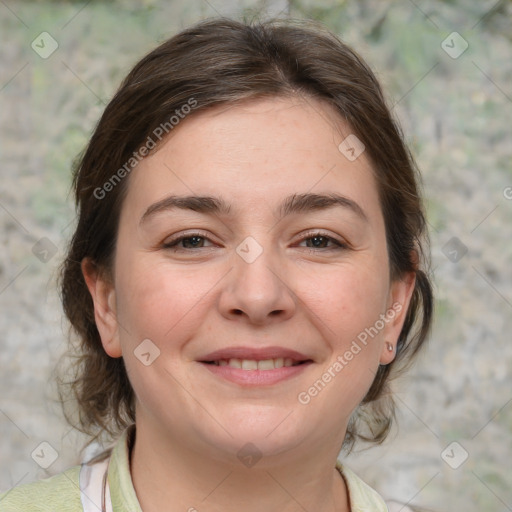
(194, 299)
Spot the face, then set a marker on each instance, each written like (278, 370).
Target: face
(259, 313)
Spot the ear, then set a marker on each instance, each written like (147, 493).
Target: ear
(400, 295)
(103, 296)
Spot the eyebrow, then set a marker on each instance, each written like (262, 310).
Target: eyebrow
(294, 204)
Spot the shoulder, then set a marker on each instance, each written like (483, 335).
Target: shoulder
(60, 492)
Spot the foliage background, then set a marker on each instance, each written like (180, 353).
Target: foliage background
(454, 113)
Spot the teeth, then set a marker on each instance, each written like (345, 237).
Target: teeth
(267, 364)
(252, 364)
(247, 364)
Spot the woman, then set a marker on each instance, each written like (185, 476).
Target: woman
(245, 278)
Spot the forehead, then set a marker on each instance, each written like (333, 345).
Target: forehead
(255, 152)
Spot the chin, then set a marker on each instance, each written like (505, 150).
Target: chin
(257, 432)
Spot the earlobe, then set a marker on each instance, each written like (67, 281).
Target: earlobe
(103, 296)
(400, 297)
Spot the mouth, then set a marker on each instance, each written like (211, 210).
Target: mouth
(254, 364)
(248, 366)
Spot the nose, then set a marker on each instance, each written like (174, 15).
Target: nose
(257, 291)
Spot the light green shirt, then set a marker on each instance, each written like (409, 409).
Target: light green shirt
(61, 493)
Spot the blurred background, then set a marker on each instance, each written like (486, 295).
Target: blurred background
(446, 67)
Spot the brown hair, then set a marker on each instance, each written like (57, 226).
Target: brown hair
(223, 61)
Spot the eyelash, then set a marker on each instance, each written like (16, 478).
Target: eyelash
(172, 244)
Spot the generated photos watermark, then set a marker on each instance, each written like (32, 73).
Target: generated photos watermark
(157, 135)
(344, 359)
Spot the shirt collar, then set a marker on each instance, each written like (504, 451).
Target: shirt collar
(120, 482)
(362, 497)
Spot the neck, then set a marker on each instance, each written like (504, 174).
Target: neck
(167, 474)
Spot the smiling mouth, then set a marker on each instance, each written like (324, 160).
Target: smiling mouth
(253, 364)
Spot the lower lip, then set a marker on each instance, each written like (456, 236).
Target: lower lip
(256, 377)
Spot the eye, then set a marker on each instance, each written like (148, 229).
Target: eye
(316, 241)
(188, 241)
(319, 240)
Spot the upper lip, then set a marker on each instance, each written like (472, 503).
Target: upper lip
(252, 353)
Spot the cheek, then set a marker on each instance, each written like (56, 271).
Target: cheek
(164, 305)
(346, 299)
(347, 302)
(158, 302)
